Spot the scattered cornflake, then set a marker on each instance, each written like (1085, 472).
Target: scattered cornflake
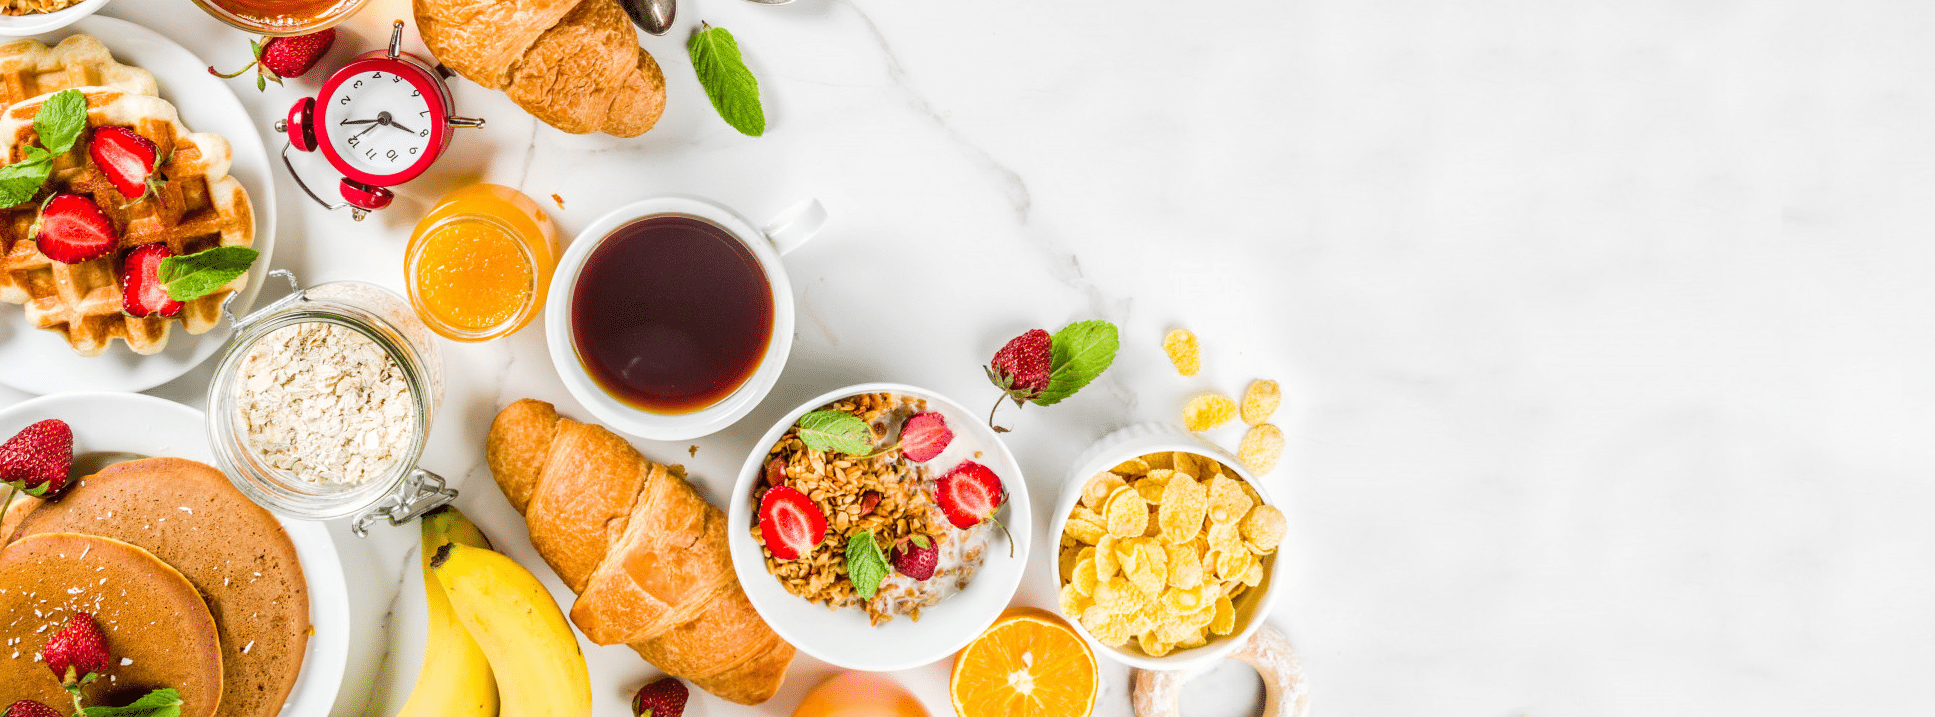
(1260, 401)
(1208, 411)
(1262, 446)
(559, 200)
(1183, 351)
(693, 451)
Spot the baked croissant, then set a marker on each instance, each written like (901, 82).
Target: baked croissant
(646, 555)
(575, 64)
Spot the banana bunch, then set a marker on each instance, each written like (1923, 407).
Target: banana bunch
(489, 616)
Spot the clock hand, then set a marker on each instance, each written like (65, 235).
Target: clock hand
(366, 130)
(394, 123)
(367, 121)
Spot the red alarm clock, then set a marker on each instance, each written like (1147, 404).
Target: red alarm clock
(381, 120)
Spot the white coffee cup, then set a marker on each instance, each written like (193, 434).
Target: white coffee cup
(785, 232)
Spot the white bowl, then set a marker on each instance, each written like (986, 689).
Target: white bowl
(786, 232)
(844, 637)
(1252, 607)
(22, 25)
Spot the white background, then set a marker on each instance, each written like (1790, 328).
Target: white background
(1605, 327)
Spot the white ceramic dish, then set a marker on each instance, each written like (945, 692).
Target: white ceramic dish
(844, 637)
(19, 25)
(786, 232)
(149, 426)
(1252, 608)
(40, 361)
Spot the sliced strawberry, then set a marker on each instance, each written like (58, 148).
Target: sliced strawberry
(925, 436)
(969, 494)
(141, 291)
(37, 459)
(792, 525)
(129, 160)
(72, 230)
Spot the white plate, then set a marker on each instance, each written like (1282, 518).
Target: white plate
(133, 423)
(17, 25)
(40, 361)
(844, 637)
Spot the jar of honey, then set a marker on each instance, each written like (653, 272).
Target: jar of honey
(480, 262)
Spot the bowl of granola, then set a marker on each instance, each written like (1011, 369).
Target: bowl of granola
(868, 527)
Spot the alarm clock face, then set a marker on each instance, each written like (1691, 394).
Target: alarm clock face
(378, 123)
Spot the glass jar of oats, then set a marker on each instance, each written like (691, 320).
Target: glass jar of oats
(322, 404)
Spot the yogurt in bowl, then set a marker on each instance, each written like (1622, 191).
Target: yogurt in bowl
(826, 542)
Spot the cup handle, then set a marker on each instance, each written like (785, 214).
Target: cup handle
(798, 223)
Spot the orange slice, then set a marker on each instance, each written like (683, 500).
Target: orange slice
(1030, 663)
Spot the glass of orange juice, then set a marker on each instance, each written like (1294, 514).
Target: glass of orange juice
(860, 694)
(479, 263)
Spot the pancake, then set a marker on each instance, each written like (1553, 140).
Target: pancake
(158, 631)
(230, 549)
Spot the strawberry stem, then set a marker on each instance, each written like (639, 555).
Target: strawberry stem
(74, 692)
(1005, 534)
(13, 491)
(991, 411)
(231, 75)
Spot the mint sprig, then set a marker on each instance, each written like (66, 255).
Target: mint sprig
(1082, 351)
(187, 278)
(836, 432)
(866, 566)
(165, 702)
(727, 81)
(59, 122)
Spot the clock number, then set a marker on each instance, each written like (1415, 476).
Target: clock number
(376, 75)
(371, 154)
(423, 133)
(359, 83)
(344, 100)
(416, 93)
(353, 141)
(391, 155)
(413, 150)
(396, 78)
(425, 113)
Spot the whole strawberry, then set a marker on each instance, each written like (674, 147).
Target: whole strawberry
(36, 460)
(279, 57)
(29, 708)
(916, 557)
(1021, 369)
(77, 654)
(663, 698)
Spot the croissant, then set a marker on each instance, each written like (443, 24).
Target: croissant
(646, 555)
(575, 64)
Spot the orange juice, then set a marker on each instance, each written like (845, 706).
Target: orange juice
(480, 262)
(860, 694)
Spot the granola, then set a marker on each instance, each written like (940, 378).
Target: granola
(887, 494)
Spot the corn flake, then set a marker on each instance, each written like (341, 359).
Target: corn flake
(1127, 513)
(1084, 579)
(1131, 467)
(1260, 400)
(1261, 447)
(1106, 562)
(1208, 411)
(1185, 567)
(1096, 492)
(1183, 351)
(1083, 530)
(1227, 503)
(1180, 512)
(1225, 621)
(1117, 596)
(1254, 575)
(1264, 527)
(1073, 602)
(1066, 563)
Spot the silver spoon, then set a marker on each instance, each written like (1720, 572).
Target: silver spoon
(652, 16)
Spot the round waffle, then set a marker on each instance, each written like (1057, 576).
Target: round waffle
(29, 69)
(199, 207)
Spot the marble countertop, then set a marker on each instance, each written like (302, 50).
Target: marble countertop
(1603, 328)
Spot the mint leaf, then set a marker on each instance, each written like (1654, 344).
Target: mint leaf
(165, 702)
(187, 278)
(836, 432)
(866, 567)
(1083, 350)
(728, 83)
(62, 117)
(20, 181)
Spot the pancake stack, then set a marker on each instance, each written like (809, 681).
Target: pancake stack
(190, 523)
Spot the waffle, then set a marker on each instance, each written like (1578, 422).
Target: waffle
(199, 207)
(29, 69)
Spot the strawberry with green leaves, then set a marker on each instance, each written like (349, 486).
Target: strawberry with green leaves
(1042, 368)
(37, 459)
(279, 57)
(78, 654)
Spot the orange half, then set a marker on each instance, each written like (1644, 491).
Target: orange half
(1030, 663)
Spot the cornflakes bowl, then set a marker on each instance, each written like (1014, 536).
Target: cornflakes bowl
(1250, 608)
(847, 635)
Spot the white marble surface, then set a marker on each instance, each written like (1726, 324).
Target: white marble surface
(1604, 326)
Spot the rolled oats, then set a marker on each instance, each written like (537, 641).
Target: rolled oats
(325, 404)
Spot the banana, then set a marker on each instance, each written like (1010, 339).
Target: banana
(522, 631)
(455, 680)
